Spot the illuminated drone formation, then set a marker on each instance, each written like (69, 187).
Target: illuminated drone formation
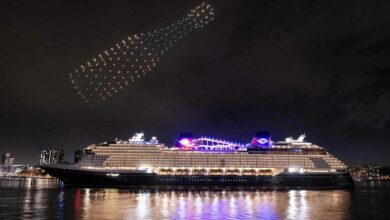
(114, 69)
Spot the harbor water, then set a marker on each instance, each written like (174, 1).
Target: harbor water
(39, 198)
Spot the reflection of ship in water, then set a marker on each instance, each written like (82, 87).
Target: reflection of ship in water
(209, 204)
(205, 162)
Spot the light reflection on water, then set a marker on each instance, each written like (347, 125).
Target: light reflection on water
(29, 199)
(29, 183)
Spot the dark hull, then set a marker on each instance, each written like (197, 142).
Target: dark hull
(101, 179)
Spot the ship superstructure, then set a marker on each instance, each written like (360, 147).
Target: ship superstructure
(205, 161)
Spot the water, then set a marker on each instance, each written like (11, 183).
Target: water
(46, 199)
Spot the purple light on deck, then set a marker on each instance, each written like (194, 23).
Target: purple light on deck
(262, 141)
(186, 142)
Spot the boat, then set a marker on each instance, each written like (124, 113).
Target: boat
(205, 162)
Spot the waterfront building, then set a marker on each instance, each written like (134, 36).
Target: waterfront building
(51, 156)
(368, 172)
(7, 162)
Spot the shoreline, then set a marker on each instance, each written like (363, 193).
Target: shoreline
(24, 177)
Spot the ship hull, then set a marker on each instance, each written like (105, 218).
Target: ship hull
(89, 178)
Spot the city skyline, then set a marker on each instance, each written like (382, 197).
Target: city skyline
(257, 66)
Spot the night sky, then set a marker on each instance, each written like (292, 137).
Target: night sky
(290, 67)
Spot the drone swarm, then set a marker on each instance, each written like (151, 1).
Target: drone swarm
(133, 57)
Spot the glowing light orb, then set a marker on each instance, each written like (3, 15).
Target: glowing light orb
(116, 68)
(262, 141)
(186, 142)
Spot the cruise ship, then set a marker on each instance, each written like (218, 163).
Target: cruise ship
(205, 162)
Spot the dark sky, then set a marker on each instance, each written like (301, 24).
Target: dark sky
(319, 67)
